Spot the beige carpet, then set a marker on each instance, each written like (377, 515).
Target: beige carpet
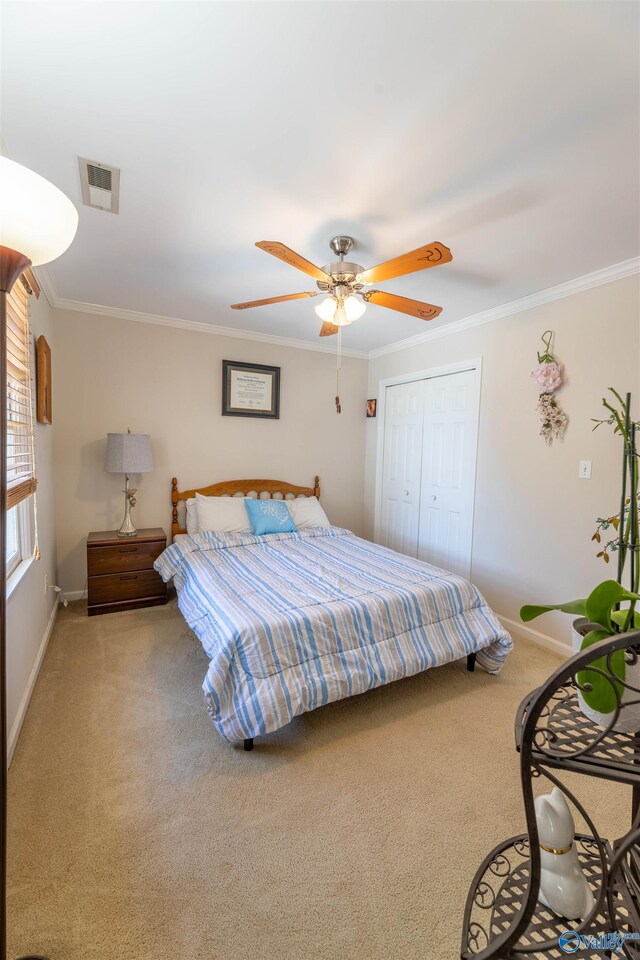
(136, 832)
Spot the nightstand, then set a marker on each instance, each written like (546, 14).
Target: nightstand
(120, 571)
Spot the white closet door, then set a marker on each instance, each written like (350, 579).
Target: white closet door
(448, 471)
(403, 427)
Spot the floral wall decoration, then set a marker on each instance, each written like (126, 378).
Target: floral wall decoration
(549, 375)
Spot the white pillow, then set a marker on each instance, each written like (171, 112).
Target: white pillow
(306, 512)
(192, 516)
(223, 514)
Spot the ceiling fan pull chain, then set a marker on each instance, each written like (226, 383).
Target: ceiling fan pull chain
(338, 366)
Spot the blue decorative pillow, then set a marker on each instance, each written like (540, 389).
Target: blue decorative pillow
(269, 516)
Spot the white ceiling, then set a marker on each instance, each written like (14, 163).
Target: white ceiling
(507, 131)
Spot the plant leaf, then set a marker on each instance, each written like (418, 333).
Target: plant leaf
(602, 696)
(602, 600)
(620, 617)
(577, 607)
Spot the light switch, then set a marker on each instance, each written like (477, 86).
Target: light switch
(584, 471)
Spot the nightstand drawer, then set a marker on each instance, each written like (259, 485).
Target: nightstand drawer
(124, 557)
(116, 587)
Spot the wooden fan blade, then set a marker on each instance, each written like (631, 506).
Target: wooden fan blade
(294, 259)
(426, 311)
(328, 329)
(431, 255)
(261, 303)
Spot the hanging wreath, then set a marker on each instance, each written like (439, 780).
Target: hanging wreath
(549, 376)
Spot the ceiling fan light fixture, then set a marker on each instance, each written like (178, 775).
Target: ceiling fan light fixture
(340, 312)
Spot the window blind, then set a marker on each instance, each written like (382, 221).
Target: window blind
(21, 477)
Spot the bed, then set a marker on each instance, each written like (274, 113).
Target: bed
(292, 621)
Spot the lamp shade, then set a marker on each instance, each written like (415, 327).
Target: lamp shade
(129, 453)
(36, 219)
(326, 309)
(354, 308)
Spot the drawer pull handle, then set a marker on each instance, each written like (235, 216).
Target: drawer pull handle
(129, 576)
(128, 550)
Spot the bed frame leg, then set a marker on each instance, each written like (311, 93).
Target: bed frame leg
(248, 744)
(471, 664)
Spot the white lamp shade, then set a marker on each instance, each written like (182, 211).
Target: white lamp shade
(340, 317)
(36, 219)
(326, 309)
(128, 453)
(354, 308)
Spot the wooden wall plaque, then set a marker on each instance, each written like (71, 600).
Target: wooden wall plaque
(44, 412)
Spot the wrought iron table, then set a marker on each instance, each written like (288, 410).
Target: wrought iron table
(503, 917)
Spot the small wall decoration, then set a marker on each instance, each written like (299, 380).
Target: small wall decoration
(549, 376)
(250, 390)
(44, 409)
(371, 408)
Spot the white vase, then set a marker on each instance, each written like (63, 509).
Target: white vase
(629, 719)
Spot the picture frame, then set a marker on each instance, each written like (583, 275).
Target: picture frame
(250, 390)
(371, 408)
(44, 406)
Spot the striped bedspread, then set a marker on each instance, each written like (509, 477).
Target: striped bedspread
(291, 621)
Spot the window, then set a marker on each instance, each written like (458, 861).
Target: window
(18, 535)
(20, 453)
(21, 479)
(14, 553)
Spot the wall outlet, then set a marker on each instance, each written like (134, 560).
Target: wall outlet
(584, 471)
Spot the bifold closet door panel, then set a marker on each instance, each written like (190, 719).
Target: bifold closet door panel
(401, 475)
(448, 471)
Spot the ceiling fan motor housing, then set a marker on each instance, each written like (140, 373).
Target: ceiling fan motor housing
(341, 272)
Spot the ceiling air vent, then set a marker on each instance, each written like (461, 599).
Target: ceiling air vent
(100, 185)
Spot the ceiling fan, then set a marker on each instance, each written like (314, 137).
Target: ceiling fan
(344, 283)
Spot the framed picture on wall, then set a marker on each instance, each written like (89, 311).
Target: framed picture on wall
(371, 408)
(250, 390)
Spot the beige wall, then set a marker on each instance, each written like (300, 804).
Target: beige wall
(533, 516)
(110, 374)
(28, 608)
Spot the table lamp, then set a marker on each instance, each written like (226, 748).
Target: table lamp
(37, 224)
(128, 453)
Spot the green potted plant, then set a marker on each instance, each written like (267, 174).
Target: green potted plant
(611, 607)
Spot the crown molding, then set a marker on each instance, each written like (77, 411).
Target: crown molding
(47, 285)
(607, 275)
(198, 327)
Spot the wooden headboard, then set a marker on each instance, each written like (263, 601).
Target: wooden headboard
(265, 489)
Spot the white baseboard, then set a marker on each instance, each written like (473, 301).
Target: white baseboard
(26, 697)
(72, 595)
(540, 639)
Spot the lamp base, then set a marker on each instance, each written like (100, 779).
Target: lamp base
(127, 529)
